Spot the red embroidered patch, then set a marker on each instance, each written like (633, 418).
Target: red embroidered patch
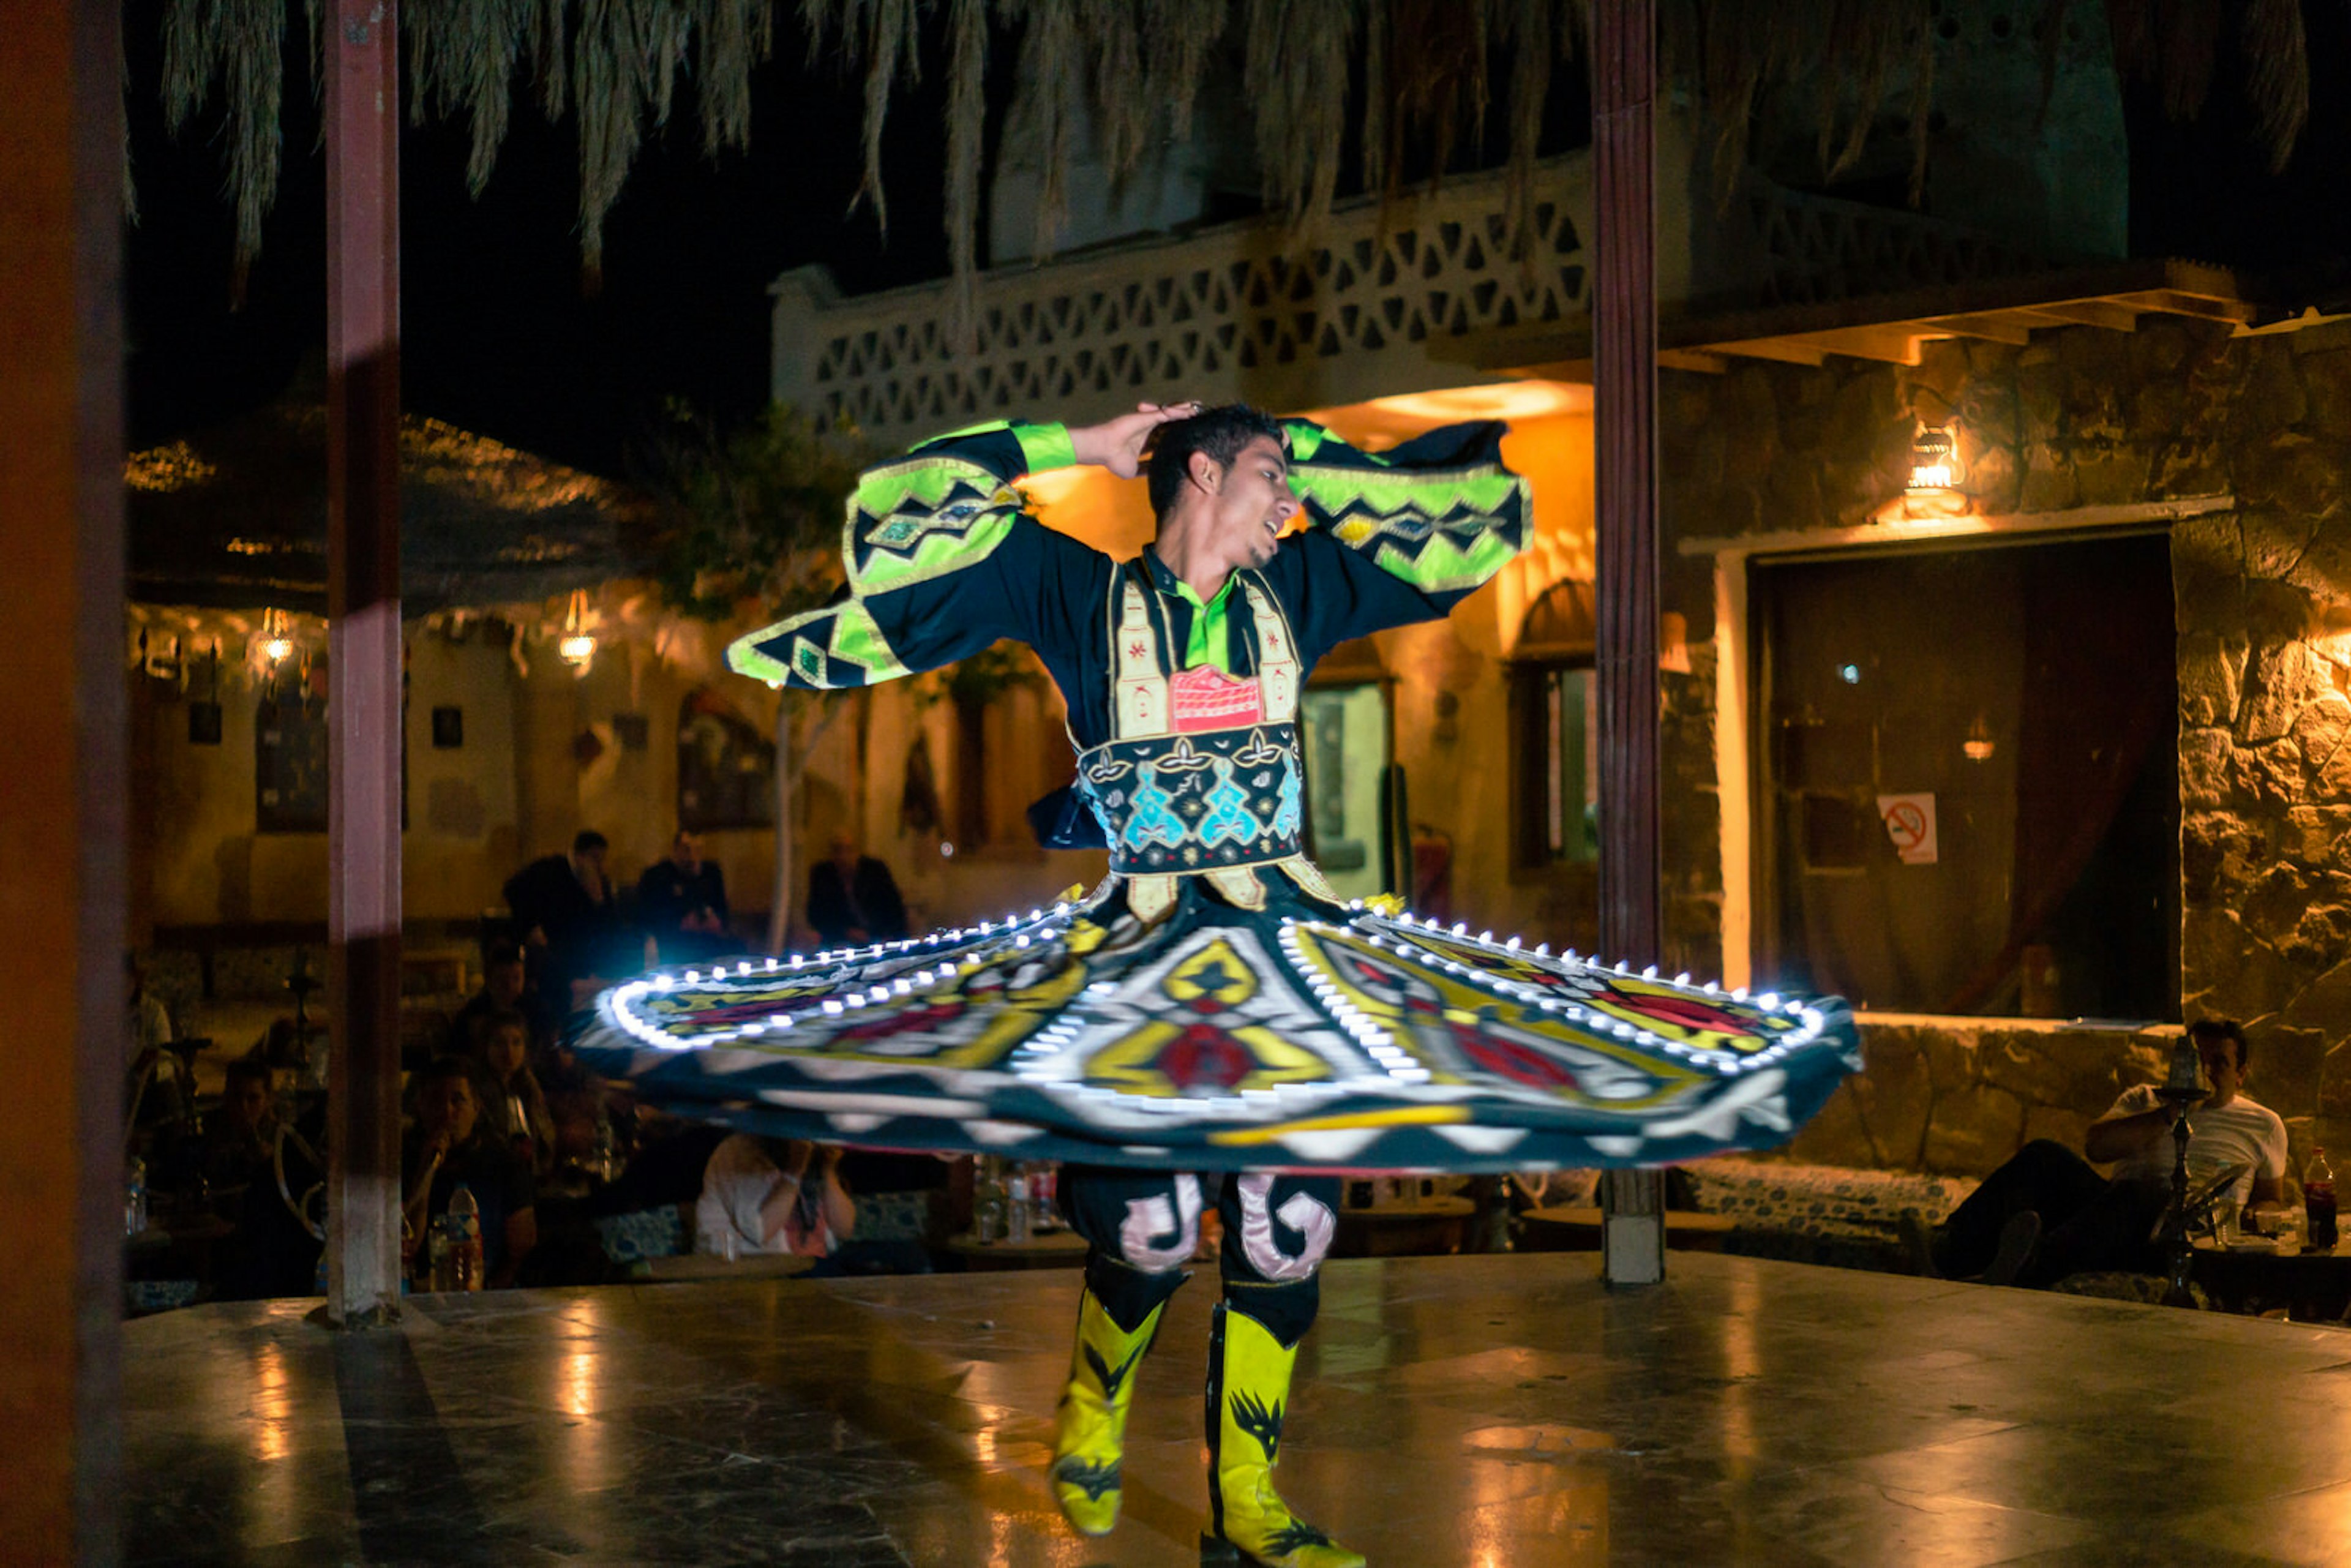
(1205, 697)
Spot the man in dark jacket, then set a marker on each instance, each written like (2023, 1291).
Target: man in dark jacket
(563, 908)
(854, 899)
(682, 904)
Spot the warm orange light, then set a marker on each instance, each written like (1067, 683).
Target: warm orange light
(1407, 414)
(1933, 461)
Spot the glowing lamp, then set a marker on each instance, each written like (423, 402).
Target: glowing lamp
(1936, 473)
(277, 647)
(1933, 461)
(578, 648)
(1979, 746)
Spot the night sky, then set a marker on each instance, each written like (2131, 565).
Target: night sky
(497, 334)
(499, 338)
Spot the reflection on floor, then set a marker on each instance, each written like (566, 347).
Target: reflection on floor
(1490, 1412)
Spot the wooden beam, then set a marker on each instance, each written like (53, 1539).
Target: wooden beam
(1783, 351)
(1694, 359)
(363, 717)
(2176, 302)
(1991, 327)
(62, 796)
(2082, 313)
(1895, 343)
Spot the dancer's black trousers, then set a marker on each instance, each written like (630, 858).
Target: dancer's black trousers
(1142, 1224)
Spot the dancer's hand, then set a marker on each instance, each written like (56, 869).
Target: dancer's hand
(1117, 444)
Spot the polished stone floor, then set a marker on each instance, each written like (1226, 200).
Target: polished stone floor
(1490, 1412)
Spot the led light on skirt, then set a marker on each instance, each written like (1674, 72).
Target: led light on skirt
(1305, 1033)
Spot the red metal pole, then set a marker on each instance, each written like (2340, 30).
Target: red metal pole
(62, 794)
(364, 665)
(1624, 406)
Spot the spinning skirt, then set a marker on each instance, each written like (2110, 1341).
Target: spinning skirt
(1302, 1035)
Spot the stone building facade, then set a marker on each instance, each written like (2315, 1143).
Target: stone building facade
(2077, 418)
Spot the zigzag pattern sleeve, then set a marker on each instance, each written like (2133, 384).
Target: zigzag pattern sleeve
(1398, 538)
(927, 544)
(1439, 513)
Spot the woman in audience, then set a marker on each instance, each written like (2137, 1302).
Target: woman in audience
(769, 1194)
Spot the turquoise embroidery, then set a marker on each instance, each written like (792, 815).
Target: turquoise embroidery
(1229, 819)
(1150, 819)
(1286, 815)
(1181, 803)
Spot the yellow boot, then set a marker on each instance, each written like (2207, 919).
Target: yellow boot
(1249, 1389)
(1090, 1427)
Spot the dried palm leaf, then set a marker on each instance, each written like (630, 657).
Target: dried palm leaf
(967, 121)
(2277, 58)
(1295, 77)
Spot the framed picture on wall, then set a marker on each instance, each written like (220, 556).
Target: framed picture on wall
(726, 766)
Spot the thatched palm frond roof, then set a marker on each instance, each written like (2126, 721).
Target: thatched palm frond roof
(237, 519)
(1313, 70)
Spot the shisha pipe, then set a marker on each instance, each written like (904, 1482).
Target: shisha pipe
(299, 1207)
(2182, 1087)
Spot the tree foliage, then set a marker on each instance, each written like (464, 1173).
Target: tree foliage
(753, 515)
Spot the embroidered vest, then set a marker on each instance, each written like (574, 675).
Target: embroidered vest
(1201, 775)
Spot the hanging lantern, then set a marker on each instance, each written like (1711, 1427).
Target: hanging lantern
(576, 647)
(276, 642)
(1979, 746)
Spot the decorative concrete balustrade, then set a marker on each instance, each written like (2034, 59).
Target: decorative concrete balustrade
(1372, 306)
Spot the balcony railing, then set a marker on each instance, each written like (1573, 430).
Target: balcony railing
(1368, 308)
(1376, 305)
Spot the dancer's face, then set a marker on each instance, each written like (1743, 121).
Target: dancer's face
(1250, 502)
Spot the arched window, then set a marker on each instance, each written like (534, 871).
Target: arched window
(1554, 732)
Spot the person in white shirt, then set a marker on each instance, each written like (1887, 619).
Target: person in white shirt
(767, 1196)
(2047, 1212)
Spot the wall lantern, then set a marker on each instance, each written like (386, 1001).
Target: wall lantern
(1935, 474)
(1979, 746)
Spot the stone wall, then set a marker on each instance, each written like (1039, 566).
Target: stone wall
(2082, 417)
(1956, 1097)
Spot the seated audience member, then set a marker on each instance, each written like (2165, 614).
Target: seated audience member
(506, 988)
(2047, 1213)
(147, 1029)
(563, 905)
(242, 1138)
(450, 1147)
(682, 904)
(517, 1109)
(854, 899)
(767, 1194)
(273, 1251)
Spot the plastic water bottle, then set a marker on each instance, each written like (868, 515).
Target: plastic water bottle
(134, 1199)
(2318, 1203)
(1018, 1216)
(465, 1246)
(988, 1202)
(436, 1255)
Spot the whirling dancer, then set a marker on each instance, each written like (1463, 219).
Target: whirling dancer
(1212, 1007)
